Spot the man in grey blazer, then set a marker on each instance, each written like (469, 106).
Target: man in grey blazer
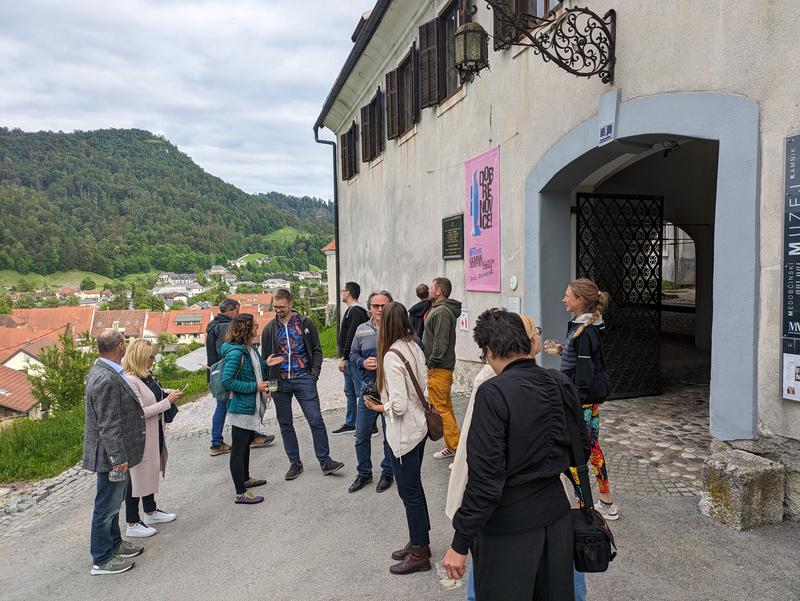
(113, 442)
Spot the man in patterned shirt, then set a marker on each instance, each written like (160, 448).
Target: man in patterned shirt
(293, 338)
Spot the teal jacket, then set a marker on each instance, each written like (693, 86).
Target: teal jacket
(238, 377)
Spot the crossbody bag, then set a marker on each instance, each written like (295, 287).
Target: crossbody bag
(432, 417)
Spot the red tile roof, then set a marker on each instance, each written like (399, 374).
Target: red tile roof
(15, 390)
(48, 320)
(329, 246)
(130, 321)
(175, 317)
(15, 340)
(252, 299)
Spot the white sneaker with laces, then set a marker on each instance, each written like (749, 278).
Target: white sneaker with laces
(159, 517)
(609, 512)
(140, 530)
(445, 453)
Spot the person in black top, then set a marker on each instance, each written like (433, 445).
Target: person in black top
(514, 516)
(353, 317)
(417, 313)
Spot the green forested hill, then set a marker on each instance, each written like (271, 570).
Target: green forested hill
(121, 201)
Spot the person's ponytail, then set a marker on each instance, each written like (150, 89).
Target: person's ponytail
(596, 301)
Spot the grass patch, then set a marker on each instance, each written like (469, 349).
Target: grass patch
(669, 285)
(60, 278)
(327, 337)
(197, 385)
(35, 449)
(286, 234)
(253, 257)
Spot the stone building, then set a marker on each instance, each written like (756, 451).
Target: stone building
(579, 176)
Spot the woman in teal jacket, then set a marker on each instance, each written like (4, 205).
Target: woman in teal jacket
(243, 378)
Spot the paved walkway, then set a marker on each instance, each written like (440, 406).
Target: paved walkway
(311, 540)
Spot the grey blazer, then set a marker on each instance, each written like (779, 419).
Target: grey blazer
(114, 431)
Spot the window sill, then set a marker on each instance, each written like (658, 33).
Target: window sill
(517, 50)
(376, 161)
(351, 180)
(407, 136)
(449, 103)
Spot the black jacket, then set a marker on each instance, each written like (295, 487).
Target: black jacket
(269, 344)
(353, 317)
(417, 316)
(518, 445)
(582, 358)
(216, 330)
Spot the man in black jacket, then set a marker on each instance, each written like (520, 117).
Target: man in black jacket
(514, 516)
(291, 347)
(354, 316)
(418, 312)
(216, 330)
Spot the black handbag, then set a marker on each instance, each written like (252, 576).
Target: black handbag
(593, 540)
(170, 413)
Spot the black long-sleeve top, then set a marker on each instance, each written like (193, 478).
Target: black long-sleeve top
(581, 359)
(517, 446)
(353, 317)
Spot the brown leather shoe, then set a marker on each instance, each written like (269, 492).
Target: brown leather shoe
(416, 561)
(401, 554)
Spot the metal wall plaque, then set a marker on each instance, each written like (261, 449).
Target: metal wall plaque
(790, 386)
(453, 237)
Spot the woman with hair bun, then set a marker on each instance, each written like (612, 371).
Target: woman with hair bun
(582, 361)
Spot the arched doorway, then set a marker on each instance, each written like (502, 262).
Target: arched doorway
(725, 188)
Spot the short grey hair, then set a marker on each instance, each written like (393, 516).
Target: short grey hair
(379, 293)
(108, 340)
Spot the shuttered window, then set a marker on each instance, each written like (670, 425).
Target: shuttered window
(348, 144)
(449, 21)
(504, 30)
(392, 106)
(408, 103)
(429, 64)
(372, 128)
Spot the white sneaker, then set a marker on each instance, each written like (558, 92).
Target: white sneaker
(450, 466)
(159, 517)
(445, 453)
(140, 530)
(609, 512)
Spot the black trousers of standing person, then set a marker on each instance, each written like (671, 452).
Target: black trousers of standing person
(132, 504)
(408, 475)
(240, 457)
(530, 566)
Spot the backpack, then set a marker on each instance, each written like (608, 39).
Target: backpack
(215, 379)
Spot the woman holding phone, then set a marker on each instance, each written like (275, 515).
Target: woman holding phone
(143, 482)
(243, 378)
(406, 429)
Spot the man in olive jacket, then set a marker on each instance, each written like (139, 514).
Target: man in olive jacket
(294, 338)
(439, 344)
(113, 442)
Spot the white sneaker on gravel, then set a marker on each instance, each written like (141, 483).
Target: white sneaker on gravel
(159, 517)
(609, 512)
(140, 530)
(445, 453)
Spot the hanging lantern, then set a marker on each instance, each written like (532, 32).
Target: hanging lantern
(471, 50)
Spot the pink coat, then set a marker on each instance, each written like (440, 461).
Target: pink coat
(144, 477)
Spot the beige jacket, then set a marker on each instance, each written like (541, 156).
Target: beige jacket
(405, 417)
(458, 475)
(144, 476)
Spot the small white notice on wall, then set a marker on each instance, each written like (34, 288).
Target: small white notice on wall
(791, 377)
(463, 321)
(514, 304)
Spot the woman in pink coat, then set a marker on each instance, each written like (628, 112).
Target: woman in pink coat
(143, 482)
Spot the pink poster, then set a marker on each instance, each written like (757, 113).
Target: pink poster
(482, 217)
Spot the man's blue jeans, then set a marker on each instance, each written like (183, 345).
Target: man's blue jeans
(105, 519)
(218, 422)
(365, 425)
(304, 389)
(352, 387)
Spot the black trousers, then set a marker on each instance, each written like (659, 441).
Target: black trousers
(240, 457)
(132, 504)
(408, 476)
(532, 566)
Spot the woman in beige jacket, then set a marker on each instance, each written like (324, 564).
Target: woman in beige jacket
(406, 429)
(143, 482)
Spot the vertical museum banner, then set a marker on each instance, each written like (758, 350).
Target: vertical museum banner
(791, 272)
(482, 216)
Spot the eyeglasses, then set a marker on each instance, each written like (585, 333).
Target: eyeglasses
(280, 307)
(153, 357)
(377, 306)
(482, 357)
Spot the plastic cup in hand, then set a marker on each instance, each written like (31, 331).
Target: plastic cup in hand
(552, 347)
(115, 476)
(448, 584)
(272, 386)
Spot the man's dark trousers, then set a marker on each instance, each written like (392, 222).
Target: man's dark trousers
(365, 426)
(105, 519)
(352, 385)
(304, 389)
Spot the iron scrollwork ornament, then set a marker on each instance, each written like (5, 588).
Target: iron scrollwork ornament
(578, 40)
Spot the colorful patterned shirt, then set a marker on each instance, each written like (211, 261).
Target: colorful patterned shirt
(292, 348)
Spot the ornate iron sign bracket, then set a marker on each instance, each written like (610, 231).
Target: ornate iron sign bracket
(577, 40)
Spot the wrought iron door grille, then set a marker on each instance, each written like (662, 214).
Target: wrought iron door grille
(619, 239)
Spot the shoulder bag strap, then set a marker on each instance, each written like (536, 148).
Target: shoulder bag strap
(576, 448)
(414, 380)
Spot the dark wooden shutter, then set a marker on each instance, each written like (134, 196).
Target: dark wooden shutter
(366, 141)
(429, 64)
(392, 106)
(503, 29)
(353, 147)
(415, 83)
(343, 144)
(376, 114)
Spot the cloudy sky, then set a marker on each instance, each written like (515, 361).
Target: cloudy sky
(237, 85)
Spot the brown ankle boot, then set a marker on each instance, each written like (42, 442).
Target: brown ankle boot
(416, 561)
(401, 554)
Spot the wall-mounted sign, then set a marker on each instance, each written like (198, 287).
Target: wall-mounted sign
(463, 321)
(483, 221)
(790, 386)
(453, 237)
(607, 110)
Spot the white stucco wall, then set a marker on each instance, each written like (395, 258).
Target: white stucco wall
(390, 214)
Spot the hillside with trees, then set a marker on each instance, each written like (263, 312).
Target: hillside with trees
(122, 201)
